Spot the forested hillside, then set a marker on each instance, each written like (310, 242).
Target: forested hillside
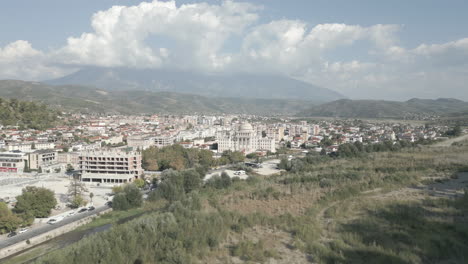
(26, 114)
(410, 109)
(91, 99)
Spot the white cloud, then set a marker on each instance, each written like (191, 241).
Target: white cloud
(19, 60)
(197, 30)
(161, 34)
(287, 46)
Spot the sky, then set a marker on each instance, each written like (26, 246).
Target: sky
(364, 49)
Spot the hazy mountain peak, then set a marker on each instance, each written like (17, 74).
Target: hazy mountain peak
(218, 85)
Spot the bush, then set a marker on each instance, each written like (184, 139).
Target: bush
(130, 197)
(250, 251)
(219, 182)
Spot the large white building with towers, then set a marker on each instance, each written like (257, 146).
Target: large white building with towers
(244, 139)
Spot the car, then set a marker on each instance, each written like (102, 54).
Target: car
(91, 208)
(12, 234)
(109, 204)
(55, 220)
(23, 230)
(240, 172)
(82, 210)
(72, 213)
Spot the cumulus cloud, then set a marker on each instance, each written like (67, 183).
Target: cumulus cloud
(197, 31)
(19, 60)
(162, 34)
(288, 46)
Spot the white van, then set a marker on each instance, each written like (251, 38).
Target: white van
(240, 172)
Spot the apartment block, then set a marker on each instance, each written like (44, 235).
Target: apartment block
(110, 166)
(42, 158)
(12, 162)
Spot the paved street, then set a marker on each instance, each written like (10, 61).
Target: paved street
(5, 242)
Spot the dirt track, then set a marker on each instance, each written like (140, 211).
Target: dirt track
(449, 142)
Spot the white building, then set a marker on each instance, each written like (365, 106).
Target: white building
(13, 162)
(245, 139)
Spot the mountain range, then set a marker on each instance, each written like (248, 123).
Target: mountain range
(386, 109)
(86, 97)
(238, 85)
(90, 99)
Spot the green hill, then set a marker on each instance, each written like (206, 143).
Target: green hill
(26, 114)
(386, 109)
(88, 99)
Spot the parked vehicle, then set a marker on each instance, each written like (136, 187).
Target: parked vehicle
(23, 230)
(240, 172)
(91, 208)
(82, 210)
(55, 220)
(12, 234)
(109, 204)
(72, 213)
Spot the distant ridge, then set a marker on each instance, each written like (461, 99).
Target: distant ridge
(386, 109)
(90, 99)
(213, 85)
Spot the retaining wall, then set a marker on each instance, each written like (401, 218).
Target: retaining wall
(20, 246)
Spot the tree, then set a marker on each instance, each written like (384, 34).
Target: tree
(140, 183)
(35, 202)
(8, 221)
(251, 155)
(130, 197)
(75, 193)
(323, 152)
(70, 168)
(192, 180)
(284, 164)
(117, 189)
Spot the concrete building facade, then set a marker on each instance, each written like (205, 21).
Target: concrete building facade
(13, 162)
(110, 166)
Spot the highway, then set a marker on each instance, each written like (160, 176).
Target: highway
(43, 229)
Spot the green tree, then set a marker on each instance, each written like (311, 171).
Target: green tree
(8, 221)
(35, 202)
(140, 183)
(76, 189)
(70, 168)
(192, 180)
(130, 197)
(284, 164)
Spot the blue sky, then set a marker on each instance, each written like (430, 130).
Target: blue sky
(363, 49)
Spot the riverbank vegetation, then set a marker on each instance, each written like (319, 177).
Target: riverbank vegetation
(404, 206)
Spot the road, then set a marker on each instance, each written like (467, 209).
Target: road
(43, 229)
(449, 142)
